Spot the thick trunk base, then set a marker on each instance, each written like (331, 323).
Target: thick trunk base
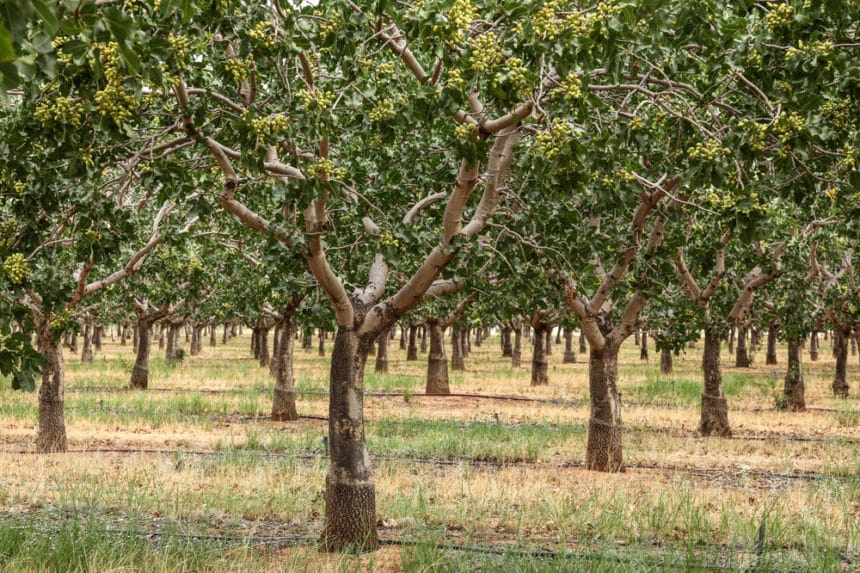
(51, 436)
(437, 376)
(715, 417)
(569, 357)
(353, 530)
(284, 406)
(665, 361)
(139, 378)
(603, 452)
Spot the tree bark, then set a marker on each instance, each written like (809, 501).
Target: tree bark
(213, 335)
(540, 376)
(840, 350)
(643, 346)
(715, 411)
(423, 339)
(412, 346)
(517, 352)
(583, 346)
(793, 391)
(123, 334)
(135, 338)
(382, 351)
(98, 331)
(731, 340)
(569, 354)
(87, 346)
(263, 346)
(51, 435)
(196, 339)
(307, 342)
(772, 333)
(140, 371)
(284, 395)
(603, 451)
(458, 362)
(350, 512)
(172, 350)
(437, 363)
(813, 346)
(665, 361)
(742, 357)
(322, 336)
(507, 347)
(547, 347)
(465, 342)
(73, 343)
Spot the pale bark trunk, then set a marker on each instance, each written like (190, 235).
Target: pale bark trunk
(569, 354)
(457, 360)
(665, 361)
(437, 363)
(172, 350)
(540, 376)
(603, 451)
(813, 346)
(382, 351)
(213, 336)
(284, 396)
(276, 349)
(731, 340)
(51, 435)
(196, 339)
(772, 333)
(135, 339)
(123, 335)
(547, 346)
(715, 411)
(350, 496)
(466, 342)
(140, 371)
(517, 352)
(423, 339)
(840, 350)
(412, 346)
(87, 346)
(794, 387)
(742, 357)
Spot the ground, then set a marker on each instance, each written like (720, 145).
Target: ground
(190, 474)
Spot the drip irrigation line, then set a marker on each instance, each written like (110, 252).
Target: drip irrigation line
(629, 553)
(644, 430)
(449, 462)
(419, 395)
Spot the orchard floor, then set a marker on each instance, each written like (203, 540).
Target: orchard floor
(190, 475)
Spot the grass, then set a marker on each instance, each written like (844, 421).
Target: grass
(639, 520)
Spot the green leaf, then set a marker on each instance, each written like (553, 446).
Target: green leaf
(48, 17)
(7, 51)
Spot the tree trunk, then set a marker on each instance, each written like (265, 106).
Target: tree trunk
(517, 352)
(547, 347)
(457, 360)
(140, 371)
(284, 396)
(813, 346)
(263, 344)
(742, 357)
(226, 335)
(321, 346)
(437, 363)
(382, 352)
(583, 345)
(465, 343)
(569, 354)
(794, 388)
(135, 338)
(98, 331)
(840, 350)
(715, 411)
(731, 340)
(603, 451)
(307, 342)
(197, 339)
(172, 350)
(73, 343)
(540, 376)
(87, 346)
(772, 332)
(402, 337)
(479, 338)
(423, 339)
(276, 348)
(213, 335)
(507, 348)
(412, 346)
(636, 339)
(350, 508)
(161, 336)
(665, 361)
(643, 346)
(51, 435)
(123, 334)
